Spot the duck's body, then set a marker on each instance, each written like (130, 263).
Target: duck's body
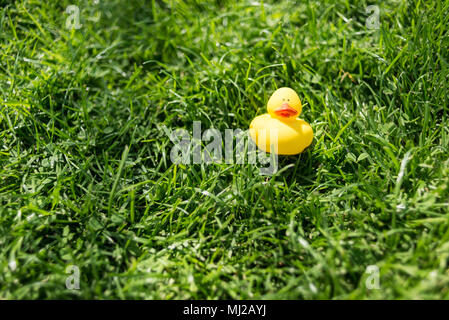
(280, 130)
(292, 136)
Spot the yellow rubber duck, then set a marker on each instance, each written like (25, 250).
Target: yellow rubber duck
(293, 134)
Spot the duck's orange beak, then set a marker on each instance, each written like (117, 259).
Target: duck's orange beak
(285, 111)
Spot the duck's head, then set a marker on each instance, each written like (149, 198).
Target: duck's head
(284, 104)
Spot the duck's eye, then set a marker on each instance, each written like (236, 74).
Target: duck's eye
(288, 99)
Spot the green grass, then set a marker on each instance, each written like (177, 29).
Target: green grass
(86, 177)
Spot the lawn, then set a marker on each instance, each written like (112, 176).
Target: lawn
(87, 186)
